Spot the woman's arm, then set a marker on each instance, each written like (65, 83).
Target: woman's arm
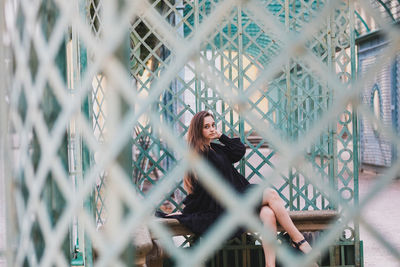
(233, 147)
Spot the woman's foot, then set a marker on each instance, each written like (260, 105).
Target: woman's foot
(304, 247)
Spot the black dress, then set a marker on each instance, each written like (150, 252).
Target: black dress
(201, 209)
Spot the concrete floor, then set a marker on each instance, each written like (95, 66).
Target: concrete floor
(2, 213)
(383, 213)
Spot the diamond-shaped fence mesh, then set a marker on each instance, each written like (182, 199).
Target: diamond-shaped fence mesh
(100, 97)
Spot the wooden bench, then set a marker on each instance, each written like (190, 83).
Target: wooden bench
(305, 221)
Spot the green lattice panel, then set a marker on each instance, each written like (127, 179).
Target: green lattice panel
(125, 157)
(238, 47)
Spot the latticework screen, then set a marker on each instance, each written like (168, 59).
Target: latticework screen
(101, 94)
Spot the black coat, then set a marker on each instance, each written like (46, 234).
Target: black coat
(201, 209)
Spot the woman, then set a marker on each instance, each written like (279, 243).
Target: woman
(201, 209)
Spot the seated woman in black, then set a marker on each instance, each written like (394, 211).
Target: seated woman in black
(201, 209)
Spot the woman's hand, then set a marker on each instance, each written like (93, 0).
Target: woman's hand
(217, 134)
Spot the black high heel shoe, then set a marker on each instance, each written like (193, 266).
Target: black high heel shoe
(298, 244)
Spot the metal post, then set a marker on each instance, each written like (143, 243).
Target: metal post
(240, 79)
(357, 252)
(196, 81)
(83, 156)
(332, 144)
(180, 7)
(288, 105)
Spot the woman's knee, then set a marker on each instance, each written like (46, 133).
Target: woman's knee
(271, 196)
(267, 214)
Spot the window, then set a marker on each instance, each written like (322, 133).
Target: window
(376, 104)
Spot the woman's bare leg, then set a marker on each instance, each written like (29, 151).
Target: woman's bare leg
(274, 201)
(268, 218)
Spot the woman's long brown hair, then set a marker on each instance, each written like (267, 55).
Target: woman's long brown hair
(197, 142)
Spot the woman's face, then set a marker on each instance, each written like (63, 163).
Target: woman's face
(209, 131)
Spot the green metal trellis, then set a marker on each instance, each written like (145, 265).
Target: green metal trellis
(101, 95)
(234, 51)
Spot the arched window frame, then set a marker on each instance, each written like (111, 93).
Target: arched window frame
(376, 88)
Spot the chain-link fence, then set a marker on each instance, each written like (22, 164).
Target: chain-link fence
(100, 97)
